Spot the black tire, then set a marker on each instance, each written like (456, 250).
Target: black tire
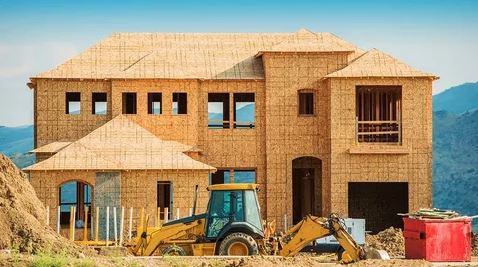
(238, 242)
(173, 250)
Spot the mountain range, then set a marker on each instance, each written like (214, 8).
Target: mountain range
(455, 146)
(455, 149)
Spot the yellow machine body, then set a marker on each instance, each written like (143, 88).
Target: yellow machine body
(188, 236)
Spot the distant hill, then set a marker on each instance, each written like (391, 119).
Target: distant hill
(15, 142)
(455, 149)
(457, 99)
(246, 113)
(455, 161)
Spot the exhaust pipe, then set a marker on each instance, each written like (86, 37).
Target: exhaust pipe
(195, 199)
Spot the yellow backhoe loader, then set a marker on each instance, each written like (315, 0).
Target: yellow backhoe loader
(232, 225)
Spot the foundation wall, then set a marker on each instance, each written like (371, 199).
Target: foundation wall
(411, 165)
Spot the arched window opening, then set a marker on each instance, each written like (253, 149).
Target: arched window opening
(77, 194)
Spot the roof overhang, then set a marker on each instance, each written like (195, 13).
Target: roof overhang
(227, 187)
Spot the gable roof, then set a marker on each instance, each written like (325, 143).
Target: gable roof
(375, 63)
(50, 148)
(188, 55)
(307, 41)
(121, 144)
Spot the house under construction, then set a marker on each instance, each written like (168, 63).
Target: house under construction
(139, 119)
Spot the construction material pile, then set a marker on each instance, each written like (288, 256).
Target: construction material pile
(432, 214)
(390, 240)
(23, 217)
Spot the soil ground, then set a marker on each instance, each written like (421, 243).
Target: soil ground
(21, 260)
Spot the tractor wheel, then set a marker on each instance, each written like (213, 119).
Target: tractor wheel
(238, 244)
(173, 250)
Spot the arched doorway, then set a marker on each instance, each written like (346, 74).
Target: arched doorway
(306, 187)
(78, 194)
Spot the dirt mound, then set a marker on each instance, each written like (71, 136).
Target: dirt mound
(474, 245)
(390, 239)
(22, 215)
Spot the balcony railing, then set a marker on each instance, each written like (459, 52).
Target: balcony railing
(219, 124)
(378, 131)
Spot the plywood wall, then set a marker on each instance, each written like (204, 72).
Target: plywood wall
(412, 162)
(289, 135)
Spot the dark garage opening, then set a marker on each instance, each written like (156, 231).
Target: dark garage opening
(378, 204)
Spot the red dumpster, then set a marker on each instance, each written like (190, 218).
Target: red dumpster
(437, 239)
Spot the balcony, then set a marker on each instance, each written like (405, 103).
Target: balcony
(378, 131)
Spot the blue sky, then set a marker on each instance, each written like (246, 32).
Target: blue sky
(435, 36)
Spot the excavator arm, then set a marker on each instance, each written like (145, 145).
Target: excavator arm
(312, 228)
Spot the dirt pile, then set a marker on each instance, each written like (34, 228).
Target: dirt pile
(22, 215)
(390, 240)
(474, 244)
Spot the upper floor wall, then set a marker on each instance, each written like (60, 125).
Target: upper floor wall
(177, 110)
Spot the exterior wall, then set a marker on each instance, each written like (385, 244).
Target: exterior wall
(222, 148)
(288, 135)
(413, 167)
(51, 122)
(280, 134)
(178, 127)
(138, 189)
(235, 148)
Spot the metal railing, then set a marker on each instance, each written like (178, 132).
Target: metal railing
(219, 124)
(378, 131)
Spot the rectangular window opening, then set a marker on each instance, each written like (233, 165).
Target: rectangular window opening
(154, 103)
(73, 103)
(245, 176)
(378, 114)
(129, 103)
(244, 110)
(306, 103)
(180, 103)
(220, 177)
(218, 110)
(164, 198)
(99, 104)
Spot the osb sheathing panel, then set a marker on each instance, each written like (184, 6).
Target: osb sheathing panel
(234, 148)
(221, 148)
(168, 126)
(414, 167)
(52, 124)
(138, 189)
(289, 136)
(46, 185)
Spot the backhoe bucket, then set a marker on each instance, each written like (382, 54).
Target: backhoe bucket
(376, 254)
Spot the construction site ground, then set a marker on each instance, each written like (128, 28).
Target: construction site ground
(14, 259)
(27, 240)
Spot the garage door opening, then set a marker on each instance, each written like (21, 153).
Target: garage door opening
(378, 204)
